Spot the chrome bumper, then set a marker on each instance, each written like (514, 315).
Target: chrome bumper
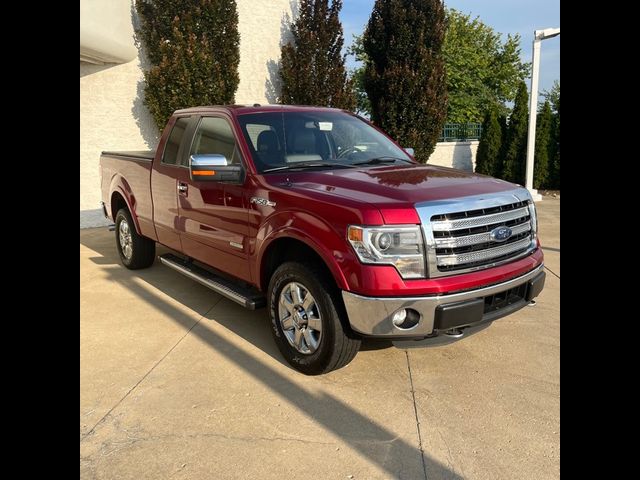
(372, 316)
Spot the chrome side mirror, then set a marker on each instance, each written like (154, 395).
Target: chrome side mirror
(213, 168)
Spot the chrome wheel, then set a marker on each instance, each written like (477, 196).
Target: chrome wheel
(300, 318)
(126, 243)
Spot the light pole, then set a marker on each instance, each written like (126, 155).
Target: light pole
(538, 36)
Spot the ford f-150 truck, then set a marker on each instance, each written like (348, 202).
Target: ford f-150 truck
(321, 217)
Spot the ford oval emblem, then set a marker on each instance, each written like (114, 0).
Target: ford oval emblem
(500, 234)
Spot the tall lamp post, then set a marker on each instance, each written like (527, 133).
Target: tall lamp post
(538, 36)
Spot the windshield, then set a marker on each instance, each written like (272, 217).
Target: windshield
(324, 139)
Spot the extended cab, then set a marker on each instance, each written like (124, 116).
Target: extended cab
(322, 218)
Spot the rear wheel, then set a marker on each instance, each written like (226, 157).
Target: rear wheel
(307, 319)
(135, 250)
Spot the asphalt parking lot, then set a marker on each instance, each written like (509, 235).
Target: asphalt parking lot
(177, 382)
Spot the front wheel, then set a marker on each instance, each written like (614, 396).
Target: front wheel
(306, 319)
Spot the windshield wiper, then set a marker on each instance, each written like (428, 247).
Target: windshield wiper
(306, 165)
(381, 160)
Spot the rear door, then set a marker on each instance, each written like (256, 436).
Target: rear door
(164, 181)
(213, 216)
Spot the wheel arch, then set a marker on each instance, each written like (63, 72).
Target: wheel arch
(121, 199)
(295, 247)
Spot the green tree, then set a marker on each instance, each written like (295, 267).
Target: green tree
(312, 65)
(554, 181)
(543, 141)
(405, 72)
(516, 142)
(363, 105)
(490, 147)
(553, 96)
(504, 128)
(482, 70)
(194, 50)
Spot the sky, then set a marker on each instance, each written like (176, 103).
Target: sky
(504, 16)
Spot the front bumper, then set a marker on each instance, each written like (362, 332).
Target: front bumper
(448, 313)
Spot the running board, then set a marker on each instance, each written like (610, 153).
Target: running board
(247, 297)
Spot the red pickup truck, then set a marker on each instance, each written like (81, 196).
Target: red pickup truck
(321, 217)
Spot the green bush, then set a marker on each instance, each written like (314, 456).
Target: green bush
(312, 65)
(194, 50)
(404, 75)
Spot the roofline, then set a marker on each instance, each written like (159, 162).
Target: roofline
(255, 108)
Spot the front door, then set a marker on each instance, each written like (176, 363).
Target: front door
(213, 215)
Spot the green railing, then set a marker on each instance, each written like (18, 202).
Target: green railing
(452, 132)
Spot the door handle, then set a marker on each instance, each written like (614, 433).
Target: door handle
(182, 187)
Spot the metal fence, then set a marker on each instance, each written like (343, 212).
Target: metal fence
(460, 131)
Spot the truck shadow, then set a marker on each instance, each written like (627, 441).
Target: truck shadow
(380, 446)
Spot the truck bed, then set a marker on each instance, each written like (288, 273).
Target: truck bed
(132, 172)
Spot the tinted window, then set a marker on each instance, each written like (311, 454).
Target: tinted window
(214, 135)
(173, 143)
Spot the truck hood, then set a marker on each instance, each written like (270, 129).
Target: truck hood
(394, 186)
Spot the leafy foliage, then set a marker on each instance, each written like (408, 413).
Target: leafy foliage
(363, 105)
(554, 173)
(553, 96)
(482, 70)
(193, 47)
(312, 65)
(488, 157)
(404, 74)
(516, 142)
(543, 137)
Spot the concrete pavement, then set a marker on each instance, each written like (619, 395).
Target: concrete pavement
(179, 382)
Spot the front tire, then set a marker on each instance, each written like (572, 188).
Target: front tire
(307, 319)
(135, 250)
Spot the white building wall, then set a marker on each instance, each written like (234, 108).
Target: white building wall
(112, 113)
(112, 117)
(263, 27)
(460, 155)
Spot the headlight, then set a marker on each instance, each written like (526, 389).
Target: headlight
(400, 246)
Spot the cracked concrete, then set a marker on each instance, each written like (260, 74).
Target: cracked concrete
(179, 383)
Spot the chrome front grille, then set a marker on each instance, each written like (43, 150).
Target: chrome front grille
(458, 232)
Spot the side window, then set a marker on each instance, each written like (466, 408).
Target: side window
(214, 135)
(172, 146)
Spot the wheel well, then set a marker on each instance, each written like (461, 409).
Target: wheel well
(117, 202)
(287, 250)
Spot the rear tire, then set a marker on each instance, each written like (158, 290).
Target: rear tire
(308, 320)
(135, 250)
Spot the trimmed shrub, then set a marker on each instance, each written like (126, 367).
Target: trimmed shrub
(543, 141)
(405, 71)
(516, 142)
(312, 65)
(488, 160)
(194, 50)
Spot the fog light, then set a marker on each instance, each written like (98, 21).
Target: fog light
(399, 317)
(405, 318)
